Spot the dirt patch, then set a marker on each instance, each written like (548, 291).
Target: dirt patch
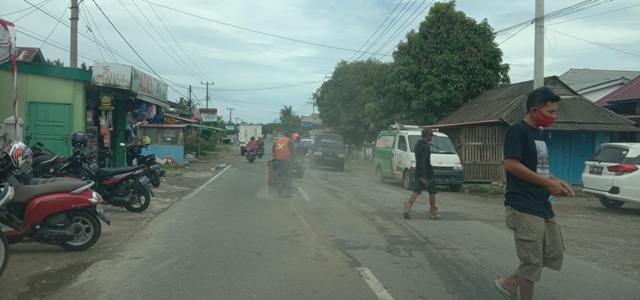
(609, 238)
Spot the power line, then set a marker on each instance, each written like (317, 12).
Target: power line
(521, 29)
(174, 39)
(134, 50)
(251, 30)
(374, 33)
(606, 12)
(57, 23)
(152, 38)
(19, 11)
(401, 28)
(95, 39)
(405, 29)
(386, 29)
(106, 47)
(268, 88)
(597, 44)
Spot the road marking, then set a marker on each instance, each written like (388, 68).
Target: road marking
(306, 197)
(210, 180)
(374, 284)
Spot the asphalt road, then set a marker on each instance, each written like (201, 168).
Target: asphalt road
(339, 237)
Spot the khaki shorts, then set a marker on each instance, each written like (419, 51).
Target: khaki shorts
(539, 243)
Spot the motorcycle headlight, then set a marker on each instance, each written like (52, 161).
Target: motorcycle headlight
(95, 198)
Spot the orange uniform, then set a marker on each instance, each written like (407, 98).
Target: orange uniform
(281, 150)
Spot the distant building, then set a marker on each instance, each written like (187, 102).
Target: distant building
(595, 84)
(30, 54)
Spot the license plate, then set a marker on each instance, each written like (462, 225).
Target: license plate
(154, 167)
(144, 180)
(93, 166)
(443, 180)
(595, 170)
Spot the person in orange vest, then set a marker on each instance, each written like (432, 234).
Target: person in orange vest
(282, 156)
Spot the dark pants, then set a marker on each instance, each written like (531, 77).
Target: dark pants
(282, 170)
(430, 186)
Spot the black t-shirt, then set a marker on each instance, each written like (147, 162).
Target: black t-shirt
(527, 145)
(423, 160)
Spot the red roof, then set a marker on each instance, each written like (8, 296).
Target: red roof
(29, 54)
(629, 91)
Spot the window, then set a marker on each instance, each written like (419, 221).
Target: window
(385, 141)
(615, 155)
(402, 143)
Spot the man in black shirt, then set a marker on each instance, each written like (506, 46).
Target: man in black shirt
(531, 188)
(424, 176)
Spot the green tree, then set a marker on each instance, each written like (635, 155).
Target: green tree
(449, 60)
(289, 121)
(84, 67)
(57, 63)
(342, 100)
(188, 104)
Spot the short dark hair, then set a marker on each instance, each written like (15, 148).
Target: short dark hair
(540, 97)
(426, 131)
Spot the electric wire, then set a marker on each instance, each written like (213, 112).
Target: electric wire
(36, 6)
(95, 39)
(21, 10)
(594, 15)
(521, 29)
(414, 19)
(384, 32)
(106, 47)
(594, 43)
(402, 27)
(174, 39)
(251, 30)
(57, 23)
(374, 33)
(266, 88)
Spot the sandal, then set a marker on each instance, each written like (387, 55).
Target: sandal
(433, 215)
(503, 291)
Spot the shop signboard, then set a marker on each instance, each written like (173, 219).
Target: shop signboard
(145, 84)
(209, 114)
(111, 75)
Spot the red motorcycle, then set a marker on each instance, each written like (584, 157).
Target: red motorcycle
(6, 194)
(58, 211)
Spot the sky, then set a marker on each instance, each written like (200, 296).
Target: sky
(263, 55)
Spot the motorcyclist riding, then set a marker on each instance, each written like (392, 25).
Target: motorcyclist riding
(252, 145)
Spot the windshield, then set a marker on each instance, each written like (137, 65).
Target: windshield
(307, 143)
(439, 144)
(329, 140)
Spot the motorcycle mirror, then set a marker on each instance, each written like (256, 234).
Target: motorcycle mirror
(122, 144)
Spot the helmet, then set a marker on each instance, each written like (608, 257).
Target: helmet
(17, 153)
(78, 139)
(295, 136)
(145, 140)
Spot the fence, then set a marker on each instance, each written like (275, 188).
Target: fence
(363, 151)
(481, 151)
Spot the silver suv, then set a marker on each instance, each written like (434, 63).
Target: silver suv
(612, 174)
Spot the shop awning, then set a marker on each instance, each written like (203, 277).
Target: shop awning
(158, 102)
(207, 127)
(164, 125)
(181, 118)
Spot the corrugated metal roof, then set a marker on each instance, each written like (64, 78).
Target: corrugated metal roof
(30, 54)
(579, 79)
(629, 91)
(509, 104)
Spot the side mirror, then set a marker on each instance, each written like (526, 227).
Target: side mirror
(122, 144)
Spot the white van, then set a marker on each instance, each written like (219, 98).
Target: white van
(394, 157)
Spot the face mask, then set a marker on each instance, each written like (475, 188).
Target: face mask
(543, 120)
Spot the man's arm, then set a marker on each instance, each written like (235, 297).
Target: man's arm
(553, 185)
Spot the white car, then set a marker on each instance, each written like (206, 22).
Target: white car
(612, 174)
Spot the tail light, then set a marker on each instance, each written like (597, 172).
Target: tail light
(59, 159)
(622, 169)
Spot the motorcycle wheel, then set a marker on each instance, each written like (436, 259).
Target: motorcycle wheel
(155, 179)
(143, 199)
(4, 253)
(87, 231)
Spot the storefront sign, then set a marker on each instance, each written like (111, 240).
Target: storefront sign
(145, 84)
(209, 114)
(231, 127)
(111, 75)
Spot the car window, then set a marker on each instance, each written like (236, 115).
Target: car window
(385, 141)
(329, 140)
(632, 160)
(614, 155)
(439, 144)
(402, 143)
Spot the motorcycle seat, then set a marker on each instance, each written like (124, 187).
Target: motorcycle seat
(106, 172)
(36, 181)
(26, 193)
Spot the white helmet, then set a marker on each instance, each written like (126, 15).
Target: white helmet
(17, 153)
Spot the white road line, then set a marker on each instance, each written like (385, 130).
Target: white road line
(374, 284)
(210, 180)
(306, 197)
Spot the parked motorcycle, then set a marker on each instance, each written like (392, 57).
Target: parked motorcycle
(298, 167)
(251, 156)
(134, 152)
(62, 212)
(6, 194)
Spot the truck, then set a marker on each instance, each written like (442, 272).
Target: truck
(245, 132)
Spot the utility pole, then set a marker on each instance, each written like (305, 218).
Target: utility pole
(189, 93)
(538, 60)
(73, 61)
(313, 105)
(237, 119)
(207, 84)
(230, 111)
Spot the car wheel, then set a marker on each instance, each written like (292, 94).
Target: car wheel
(456, 188)
(608, 203)
(379, 175)
(406, 181)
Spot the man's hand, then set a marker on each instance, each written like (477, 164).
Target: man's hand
(558, 187)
